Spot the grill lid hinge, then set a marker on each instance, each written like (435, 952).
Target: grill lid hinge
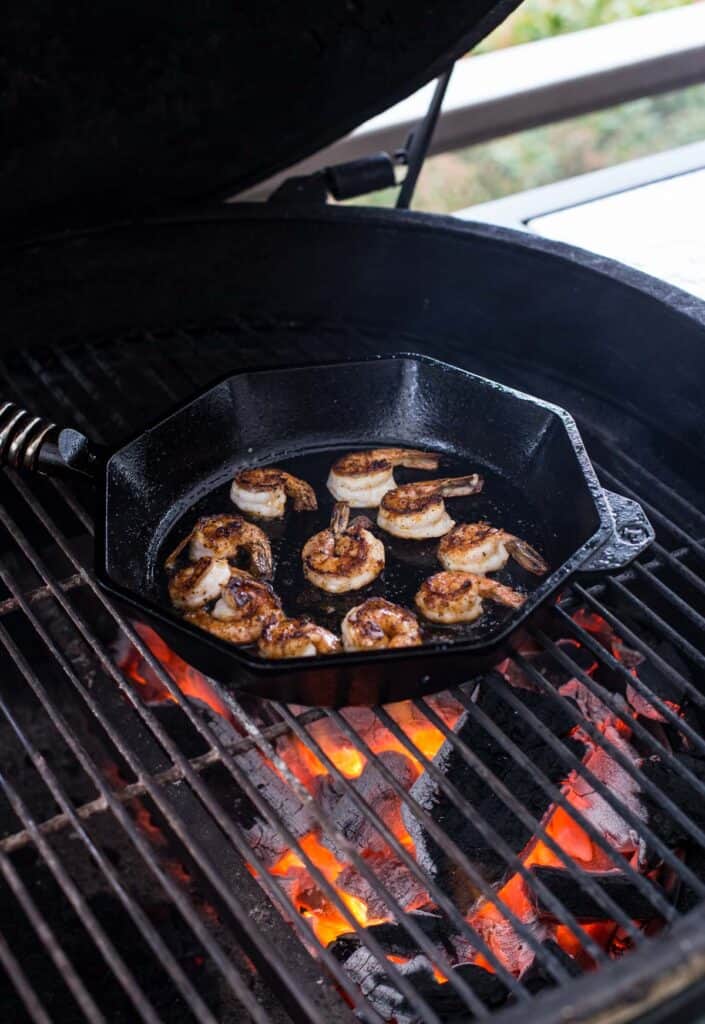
(374, 172)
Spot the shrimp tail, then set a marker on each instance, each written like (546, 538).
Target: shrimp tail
(497, 592)
(415, 459)
(173, 557)
(301, 493)
(456, 486)
(340, 517)
(527, 557)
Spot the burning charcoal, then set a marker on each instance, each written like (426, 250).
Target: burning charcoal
(393, 937)
(522, 784)
(585, 908)
(605, 817)
(268, 843)
(350, 820)
(537, 976)
(681, 792)
(396, 878)
(449, 1006)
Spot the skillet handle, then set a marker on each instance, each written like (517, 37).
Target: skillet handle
(36, 445)
(632, 534)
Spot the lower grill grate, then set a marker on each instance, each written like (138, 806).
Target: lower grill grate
(448, 856)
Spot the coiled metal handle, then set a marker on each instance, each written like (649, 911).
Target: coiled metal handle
(22, 436)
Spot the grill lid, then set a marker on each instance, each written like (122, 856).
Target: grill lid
(111, 109)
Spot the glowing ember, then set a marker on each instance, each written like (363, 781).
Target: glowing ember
(351, 762)
(189, 681)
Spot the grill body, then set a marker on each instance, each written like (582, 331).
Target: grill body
(116, 327)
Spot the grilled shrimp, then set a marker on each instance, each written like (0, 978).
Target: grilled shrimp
(344, 557)
(376, 624)
(363, 478)
(458, 596)
(226, 536)
(296, 638)
(246, 606)
(417, 511)
(481, 548)
(263, 492)
(199, 583)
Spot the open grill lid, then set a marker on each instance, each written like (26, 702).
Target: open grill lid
(111, 109)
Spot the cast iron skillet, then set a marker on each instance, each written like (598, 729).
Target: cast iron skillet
(539, 484)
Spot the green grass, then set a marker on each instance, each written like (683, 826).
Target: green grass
(536, 19)
(540, 156)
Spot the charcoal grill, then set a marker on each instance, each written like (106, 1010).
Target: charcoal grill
(127, 834)
(171, 853)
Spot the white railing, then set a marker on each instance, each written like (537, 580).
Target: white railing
(536, 83)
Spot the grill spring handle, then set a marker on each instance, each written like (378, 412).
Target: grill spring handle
(36, 445)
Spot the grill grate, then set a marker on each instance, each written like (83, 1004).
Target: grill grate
(104, 792)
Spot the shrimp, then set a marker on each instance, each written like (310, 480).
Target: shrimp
(296, 638)
(458, 596)
(245, 607)
(417, 511)
(199, 583)
(481, 548)
(376, 624)
(226, 536)
(344, 557)
(363, 478)
(263, 492)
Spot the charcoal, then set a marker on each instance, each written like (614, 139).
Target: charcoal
(521, 783)
(350, 820)
(537, 976)
(680, 791)
(394, 938)
(267, 841)
(586, 908)
(448, 1004)
(393, 875)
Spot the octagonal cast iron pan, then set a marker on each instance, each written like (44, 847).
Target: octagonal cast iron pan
(539, 484)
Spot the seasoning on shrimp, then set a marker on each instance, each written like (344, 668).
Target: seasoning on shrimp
(450, 597)
(363, 478)
(481, 548)
(296, 638)
(417, 511)
(377, 624)
(246, 606)
(227, 536)
(264, 492)
(344, 557)
(199, 583)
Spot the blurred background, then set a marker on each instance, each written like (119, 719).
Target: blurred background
(539, 156)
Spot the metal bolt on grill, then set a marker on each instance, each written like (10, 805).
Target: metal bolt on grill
(170, 851)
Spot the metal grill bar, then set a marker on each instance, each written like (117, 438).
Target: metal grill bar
(239, 777)
(573, 763)
(51, 944)
(180, 828)
(29, 997)
(393, 844)
(108, 951)
(540, 833)
(149, 933)
(493, 838)
(634, 680)
(664, 754)
(269, 752)
(639, 826)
